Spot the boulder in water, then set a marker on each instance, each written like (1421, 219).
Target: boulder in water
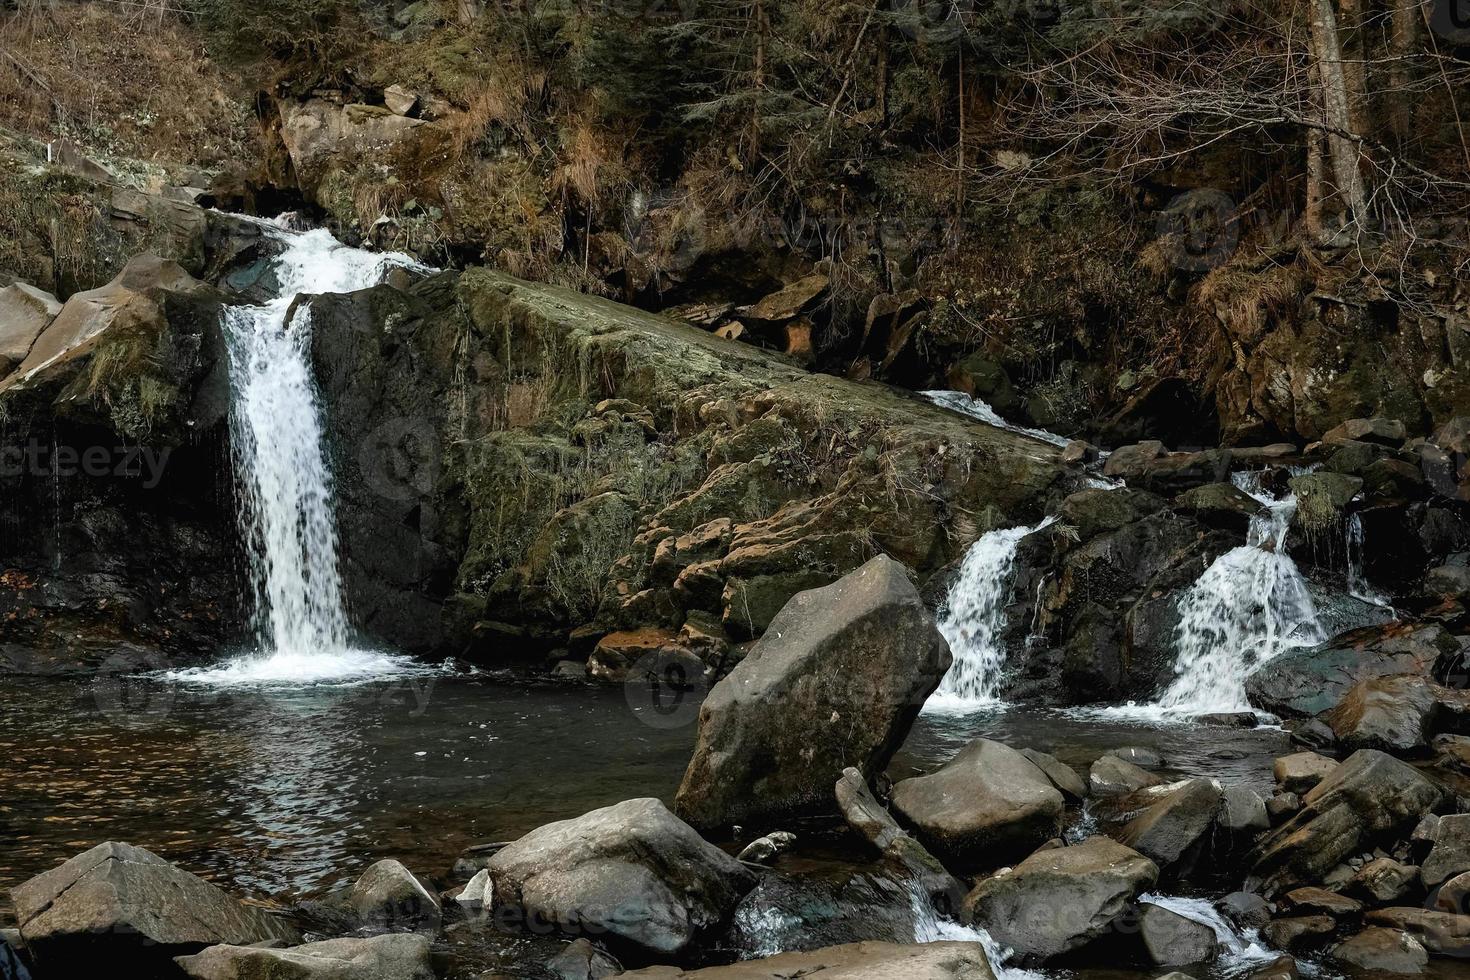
(1242, 810)
(1221, 505)
(389, 897)
(1396, 714)
(633, 870)
(1441, 933)
(836, 681)
(1450, 854)
(583, 961)
(125, 909)
(1172, 831)
(1062, 776)
(987, 805)
(1300, 771)
(1379, 951)
(1062, 898)
(1308, 682)
(814, 910)
(1111, 776)
(1172, 939)
(393, 957)
(1299, 932)
(854, 961)
(866, 816)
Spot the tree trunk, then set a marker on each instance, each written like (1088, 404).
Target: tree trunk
(758, 76)
(1342, 148)
(1316, 175)
(1350, 27)
(1405, 41)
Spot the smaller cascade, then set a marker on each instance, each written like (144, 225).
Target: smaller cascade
(973, 620)
(975, 408)
(1358, 585)
(1239, 950)
(931, 927)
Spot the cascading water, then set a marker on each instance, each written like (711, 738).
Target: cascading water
(1238, 950)
(1249, 606)
(973, 620)
(958, 401)
(281, 470)
(931, 927)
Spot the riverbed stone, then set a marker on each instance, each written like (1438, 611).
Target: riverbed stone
(836, 681)
(389, 897)
(1450, 854)
(633, 870)
(583, 961)
(1111, 776)
(128, 908)
(1061, 898)
(1383, 880)
(871, 821)
(1246, 910)
(854, 961)
(1171, 831)
(1300, 771)
(1242, 810)
(1301, 932)
(1384, 432)
(986, 806)
(1382, 951)
(1454, 894)
(1319, 901)
(1368, 799)
(1441, 933)
(398, 956)
(1172, 939)
(1396, 714)
(1062, 776)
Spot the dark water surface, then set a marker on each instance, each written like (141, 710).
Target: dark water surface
(280, 791)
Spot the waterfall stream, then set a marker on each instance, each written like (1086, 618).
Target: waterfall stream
(284, 483)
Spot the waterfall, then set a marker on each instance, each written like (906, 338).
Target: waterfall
(975, 408)
(282, 476)
(973, 620)
(1238, 950)
(1358, 585)
(931, 927)
(1249, 606)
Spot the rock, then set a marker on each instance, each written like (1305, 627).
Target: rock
(583, 961)
(1243, 810)
(1369, 799)
(1138, 755)
(1174, 940)
(475, 896)
(1320, 901)
(616, 653)
(1126, 460)
(764, 850)
(399, 100)
(986, 806)
(11, 967)
(1314, 735)
(866, 816)
(1079, 452)
(836, 681)
(1062, 776)
(633, 869)
(1321, 498)
(1282, 806)
(1281, 968)
(1146, 467)
(1447, 581)
(392, 957)
(787, 302)
(1231, 719)
(1301, 771)
(982, 377)
(1385, 432)
(1170, 831)
(1299, 932)
(1453, 895)
(323, 137)
(855, 961)
(1441, 933)
(1246, 910)
(127, 907)
(389, 897)
(1220, 505)
(1395, 714)
(822, 907)
(1450, 854)
(1111, 776)
(1060, 899)
(1383, 880)
(25, 311)
(1381, 950)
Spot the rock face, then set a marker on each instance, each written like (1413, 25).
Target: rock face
(128, 908)
(25, 311)
(1368, 798)
(856, 961)
(633, 870)
(1060, 899)
(399, 957)
(837, 680)
(987, 805)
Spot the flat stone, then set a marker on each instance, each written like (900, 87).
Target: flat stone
(854, 961)
(1381, 950)
(1320, 901)
(389, 897)
(1300, 771)
(1111, 776)
(398, 956)
(1385, 432)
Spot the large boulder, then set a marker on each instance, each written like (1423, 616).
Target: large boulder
(836, 681)
(25, 311)
(986, 806)
(125, 909)
(1368, 799)
(633, 870)
(1062, 898)
(855, 961)
(389, 897)
(1172, 831)
(1396, 714)
(395, 957)
(1172, 939)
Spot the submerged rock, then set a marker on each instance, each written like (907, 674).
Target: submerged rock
(836, 681)
(855, 961)
(633, 870)
(395, 957)
(123, 908)
(389, 897)
(1111, 776)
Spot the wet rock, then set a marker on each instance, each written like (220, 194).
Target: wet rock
(1314, 734)
(1060, 899)
(25, 311)
(1078, 452)
(1282, 806)
(1132, 460)
(1453, 895)
(1450, 854)
(855, 961)
(1282, 968)
(1448, 581)
(1220, 505)
(1174, 940)
(1301, 771)
(583, 961)
(866, 816)
(1094, 512)
(1111, 776)
(616, 653)
(836, 681)
(1062, 776)
(1299, 932)
(1370, 798)
(1381, 950)
(128, 908)
(821, 908)
(1168, 473)
(632, 869)
(1231, 719)
(474, 897)
(1396, 714)
(1383, 880)
(1441, 933)
(1242, 810)
(1321, 498)
(1385, 432)
(389, 897)
(764, 850)
(1246, 910)
(986, 806)
(1320, 901)
(1171, 831)
(393, 957)
(981, 377)
(1138, 755)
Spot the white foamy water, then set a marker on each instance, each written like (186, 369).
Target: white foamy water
(973, 620)
(931, 927)
(284, 482)
(1238, 950)
(1358, 585)
(958, 401)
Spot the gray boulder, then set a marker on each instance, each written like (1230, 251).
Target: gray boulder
(1060, 899)
(1062, 776)
(1111, 776)
(389, 897)
(633, 870)
(395, 957)
(583, 961)
(126, 907)
(1370, 798)
(1379, 951)
(854, 961)
(24, 312)
(1396, 714)
(1304, 683)
(836, 681)
(1172, 939)
(986, 806)
(1171, 831)
(1450, 854)
(1242, 810)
